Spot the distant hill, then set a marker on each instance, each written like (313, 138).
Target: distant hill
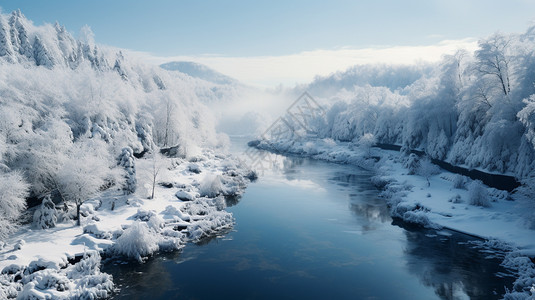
(200, 71)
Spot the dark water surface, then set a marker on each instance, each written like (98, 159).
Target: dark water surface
(315, 230)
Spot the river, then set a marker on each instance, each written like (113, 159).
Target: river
(314, 230)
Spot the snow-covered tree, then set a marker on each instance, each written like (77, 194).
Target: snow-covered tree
(427, 169)
(156, 168)
(118, 66)
(366, 142)
(81, 176)
(41, 55)
(13, 193)
(478, 194)
(6, 49)
(126, 160)
(46, 215)
(19, 35)
(494, 60)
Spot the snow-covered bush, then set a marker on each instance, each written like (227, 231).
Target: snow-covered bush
(478, 194)
(456, 199)
(137, 242)
(143, 215)
(173, 211)
(185, 196)
(46, 215)
(412, 163)
(459, 181)
(526, 203)
(216, 221)
(366, 142)
(194, 168)
(211, 186)
(126, 160)
(95, 230)
(82, 280)
(156, 223)
(427, 169)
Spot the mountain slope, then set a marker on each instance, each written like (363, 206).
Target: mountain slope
(200, 71)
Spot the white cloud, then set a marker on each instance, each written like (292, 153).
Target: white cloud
(302, 67)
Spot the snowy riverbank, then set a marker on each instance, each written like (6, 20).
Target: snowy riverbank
(437, 199)
(63, 262)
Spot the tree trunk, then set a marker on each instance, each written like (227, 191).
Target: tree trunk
(153, 184)
(78, 213)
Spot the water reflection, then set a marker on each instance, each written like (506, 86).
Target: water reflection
(456, 270)
(140, 281)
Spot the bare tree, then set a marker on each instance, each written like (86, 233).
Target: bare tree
(494, 61)
(169, 107)
(155, 170)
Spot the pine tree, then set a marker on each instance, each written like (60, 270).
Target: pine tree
(126, 160)
(118, 66)
(6, 49)
(46, 216)
(67, 45)
(42, 57)
(19, 35)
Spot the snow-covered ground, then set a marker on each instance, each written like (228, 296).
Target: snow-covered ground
(446, 200)
(188, 205)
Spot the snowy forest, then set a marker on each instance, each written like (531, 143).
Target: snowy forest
(68, 108)
(470, 109)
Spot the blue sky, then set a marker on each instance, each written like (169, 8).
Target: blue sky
(239, 29)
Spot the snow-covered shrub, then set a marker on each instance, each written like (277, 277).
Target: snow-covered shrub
(211, 186)
(427, 169)
(46, 215)
(459, 181)
(380, 181)
(524, 285)
(412, 163)
(82, 280)
(366, 142)
(478, 194)
(143, 215)
(185, 196)
(218, 202)
(526, 203)
(173, 211)
(194, 168)
(95, 230)
(137, 242)
(456, 199)
(156, 223)
(126, 160)
(216, 221)
(19, 244)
